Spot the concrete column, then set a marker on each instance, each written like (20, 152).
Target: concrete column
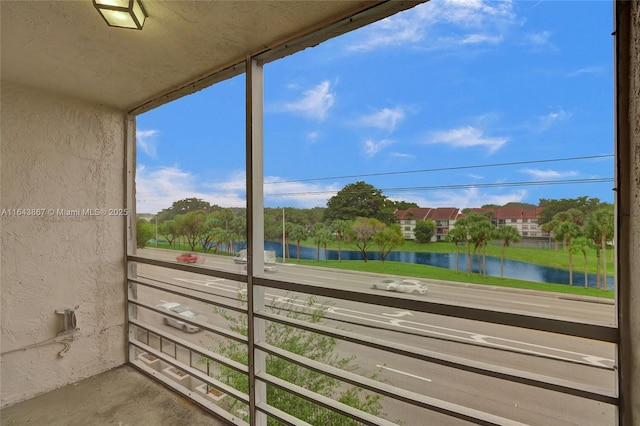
(627, 91)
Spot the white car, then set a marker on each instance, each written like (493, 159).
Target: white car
(401, 286)
(182, 310)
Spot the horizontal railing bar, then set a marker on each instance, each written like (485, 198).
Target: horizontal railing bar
(489, 370)
(194, 397)
(213, 329)
(450, 409)
(227, 362)
(323, 401)
(181, 291)
(189, 268)
(283, 417)
(192, 371)
(551, 325)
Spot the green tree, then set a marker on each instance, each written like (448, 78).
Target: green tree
(144, 232)
(462, 232)
(457, 235)
(191, 225)
(584, 204)
(169, 230)
(362, 231)
(424, 230)
(321, 235)
(387, 239)
(582, 245)
(185, 206)
(507, 234)
(599, 228)
(360, 200)
(298, 233)
(550, 227)
(340, 227)
(296, 340)
(568, 231)
(481, 231)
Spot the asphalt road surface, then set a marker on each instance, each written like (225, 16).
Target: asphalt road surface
(565, 358)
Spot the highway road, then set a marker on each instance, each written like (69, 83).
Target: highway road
(565, 358)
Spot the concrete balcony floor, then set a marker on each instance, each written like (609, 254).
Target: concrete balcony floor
(120, 397)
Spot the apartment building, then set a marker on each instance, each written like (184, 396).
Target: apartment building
(524, 220)
(444, 217)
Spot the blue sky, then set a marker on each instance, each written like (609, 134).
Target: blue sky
(448, 104)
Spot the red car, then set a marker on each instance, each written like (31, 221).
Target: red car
(187, 258)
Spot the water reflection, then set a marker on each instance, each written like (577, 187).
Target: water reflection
(512, 269)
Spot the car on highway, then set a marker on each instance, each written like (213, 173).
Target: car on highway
(187, 258)
(401, 285)
(181, 310)
(269, 260)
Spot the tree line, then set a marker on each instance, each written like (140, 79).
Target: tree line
(362, 216)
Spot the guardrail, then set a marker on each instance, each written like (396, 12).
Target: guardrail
(144, 338)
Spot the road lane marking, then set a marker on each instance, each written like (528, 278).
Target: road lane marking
(531, 304)
(403, 372)
(445, 332)
(399, 314)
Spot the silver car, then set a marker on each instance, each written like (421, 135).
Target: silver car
(401, 286)
(182, 310)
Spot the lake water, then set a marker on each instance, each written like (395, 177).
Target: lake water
(512, 269)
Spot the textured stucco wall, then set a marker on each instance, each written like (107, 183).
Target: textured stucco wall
(59, 153)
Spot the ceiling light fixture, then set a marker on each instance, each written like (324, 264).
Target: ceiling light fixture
(122, 13)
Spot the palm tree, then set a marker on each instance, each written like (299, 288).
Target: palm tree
(568, 231)
(456, 235)
(600, 227)
(582, 245)
(297, 234)
(340, 227)
(462, 232)
(507, 234)
(550, 227)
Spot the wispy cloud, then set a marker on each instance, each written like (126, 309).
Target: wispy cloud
(466, 137)
(158, 188)
(539, 174)
(315, 102)
(470, 197)
(280, 192)
(372, 147)
(594, 70)
(548, 120)
(477, 21)
(540, 40)
(146, 142)
(386, 118)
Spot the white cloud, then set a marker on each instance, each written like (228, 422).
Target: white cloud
(538, 174)
(280, 192)
(465, 137)
(546, 121)
(312, 137)
(473, 21)
(372, 147)
(596, 70)
(386, 118)
(146, 142)
(541, 39)
(401, 155)
(470, 197)
(315, 103)
(157, 189)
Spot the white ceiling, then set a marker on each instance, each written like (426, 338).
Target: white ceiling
(66, 47)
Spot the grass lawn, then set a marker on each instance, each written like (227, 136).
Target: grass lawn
(546, 257)
(425, 271)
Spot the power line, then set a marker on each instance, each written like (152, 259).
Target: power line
(441, 169)
(467, 186)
